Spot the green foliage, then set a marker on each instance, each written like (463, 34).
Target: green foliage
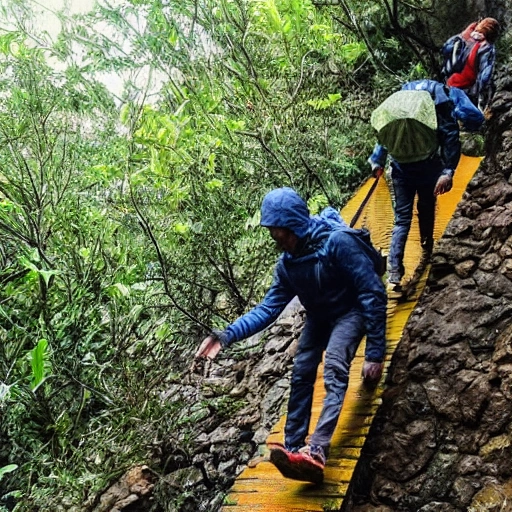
(38, 362)
(317, 203)
(7, 469)
(324, 103)
(226, 406)
(4, 471)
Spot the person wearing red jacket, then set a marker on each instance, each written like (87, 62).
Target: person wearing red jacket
(475, 77)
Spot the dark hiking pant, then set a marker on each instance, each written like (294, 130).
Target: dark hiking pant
(339, 339)
(408, 180)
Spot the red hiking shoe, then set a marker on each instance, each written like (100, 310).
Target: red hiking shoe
(296, 465)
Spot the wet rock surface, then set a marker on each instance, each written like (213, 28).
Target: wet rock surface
(232, 404)
(442, 439)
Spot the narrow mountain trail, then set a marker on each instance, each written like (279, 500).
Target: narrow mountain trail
(262, 488)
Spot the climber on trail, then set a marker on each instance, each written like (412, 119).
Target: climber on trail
(333, 271)
(469, 59)
(418, 127)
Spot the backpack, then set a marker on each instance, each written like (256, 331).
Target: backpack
(362, 236)
(469, 72)
(455, 54)
(406, 124)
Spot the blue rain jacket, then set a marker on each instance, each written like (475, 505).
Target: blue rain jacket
(482, 89)
(447, 127)
(330, 274)
(465, 111)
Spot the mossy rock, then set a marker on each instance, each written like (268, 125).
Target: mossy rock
(472, 144)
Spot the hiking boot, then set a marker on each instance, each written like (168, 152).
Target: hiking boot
(296, 465)
(427, 246)
(314, 451)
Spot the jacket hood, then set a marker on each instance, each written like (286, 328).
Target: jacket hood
(284, 208)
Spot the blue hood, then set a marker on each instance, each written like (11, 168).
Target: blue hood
(284, 208)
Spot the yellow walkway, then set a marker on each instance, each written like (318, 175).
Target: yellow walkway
(263, 488)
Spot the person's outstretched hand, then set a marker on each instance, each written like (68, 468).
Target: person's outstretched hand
(372, 372)
(443, 185)
(377, 171)
(209, 348)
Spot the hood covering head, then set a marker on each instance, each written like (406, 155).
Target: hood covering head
(284, 208)
(490, 28)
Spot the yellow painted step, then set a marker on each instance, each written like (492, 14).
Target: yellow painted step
(263, 489)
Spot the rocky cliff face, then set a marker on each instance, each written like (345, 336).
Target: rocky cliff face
(442, 440)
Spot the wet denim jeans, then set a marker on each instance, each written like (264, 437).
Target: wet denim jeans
(408, 180)
(339, 339)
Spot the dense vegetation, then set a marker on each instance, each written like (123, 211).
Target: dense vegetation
(135, 148)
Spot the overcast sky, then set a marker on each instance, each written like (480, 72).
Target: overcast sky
(45, 20)
(50, 22)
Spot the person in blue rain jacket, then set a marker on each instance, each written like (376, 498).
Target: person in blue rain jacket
(426, 178)
(323, 264)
